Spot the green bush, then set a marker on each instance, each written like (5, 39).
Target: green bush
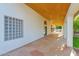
(76, 24)
(76, 42)
(58, 27)
(76, 31)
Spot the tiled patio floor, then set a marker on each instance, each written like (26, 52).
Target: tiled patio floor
(50, 45)
(76, 50)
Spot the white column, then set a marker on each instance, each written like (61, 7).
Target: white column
(70, 31)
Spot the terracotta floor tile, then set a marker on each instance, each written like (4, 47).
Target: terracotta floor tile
(47, 46)
(37, 53)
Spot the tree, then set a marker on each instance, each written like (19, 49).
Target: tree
(76, 24)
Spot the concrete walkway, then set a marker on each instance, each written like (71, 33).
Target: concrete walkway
(50, 45)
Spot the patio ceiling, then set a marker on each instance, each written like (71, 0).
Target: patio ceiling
(51, 11)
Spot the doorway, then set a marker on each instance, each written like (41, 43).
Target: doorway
(45, 28)
(45, 31)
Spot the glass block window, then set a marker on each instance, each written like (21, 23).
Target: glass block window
(13, 28)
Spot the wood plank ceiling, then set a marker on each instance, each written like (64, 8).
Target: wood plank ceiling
(52, 11)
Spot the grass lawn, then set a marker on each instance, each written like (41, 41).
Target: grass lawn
(76, 42)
